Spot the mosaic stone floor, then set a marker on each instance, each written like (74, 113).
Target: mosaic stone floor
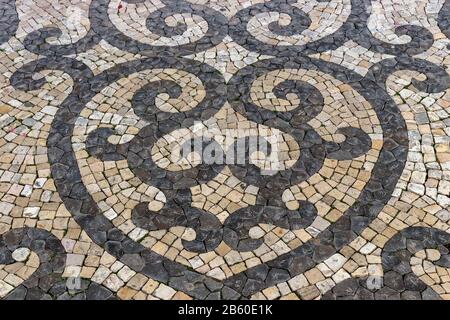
(350, 201)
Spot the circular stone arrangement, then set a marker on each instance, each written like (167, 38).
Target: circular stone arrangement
(337, 144)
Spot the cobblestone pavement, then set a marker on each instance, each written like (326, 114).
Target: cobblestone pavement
(96, 96)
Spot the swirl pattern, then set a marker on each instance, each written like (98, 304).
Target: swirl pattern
(224, 150)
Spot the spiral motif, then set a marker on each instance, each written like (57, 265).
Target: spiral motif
(230, 183)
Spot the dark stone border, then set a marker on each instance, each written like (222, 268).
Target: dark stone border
(9, 20)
